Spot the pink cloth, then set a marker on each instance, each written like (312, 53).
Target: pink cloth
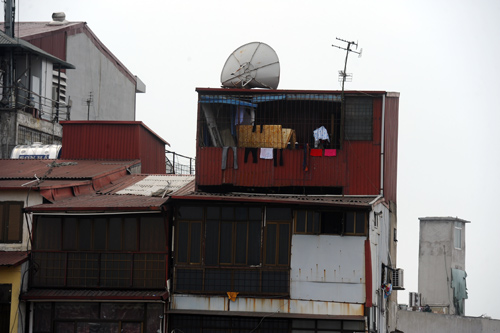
(330, 152)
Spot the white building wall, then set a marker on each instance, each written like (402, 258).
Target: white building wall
(379, 231)
(113, 93)
(30, 198)
(328, 268)
(422, 322)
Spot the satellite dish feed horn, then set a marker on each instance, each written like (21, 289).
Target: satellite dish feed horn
(253, 65)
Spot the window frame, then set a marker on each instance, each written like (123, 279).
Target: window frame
(6, 222)
(318, 227)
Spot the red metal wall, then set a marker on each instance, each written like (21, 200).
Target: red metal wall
(114, 140)
(391, 148)
(55, 43)
(356, 167)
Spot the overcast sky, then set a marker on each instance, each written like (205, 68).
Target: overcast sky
(442, 56)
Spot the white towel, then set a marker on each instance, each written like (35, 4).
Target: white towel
(266, 153)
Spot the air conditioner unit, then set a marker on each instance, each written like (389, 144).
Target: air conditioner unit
(414, 299)
(397, 279)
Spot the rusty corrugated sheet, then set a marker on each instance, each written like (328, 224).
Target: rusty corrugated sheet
(61, 169)
(391, 148)
(12, 258)
(99, 202)
(114, 140)
(356, 168)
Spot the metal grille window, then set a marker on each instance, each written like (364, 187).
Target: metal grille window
(26, 136)
(11, 221)
(225, 245)
(97, 251)
(97, 317)
(194, 323)
(359, 118)
(331, 222)
(257, 120)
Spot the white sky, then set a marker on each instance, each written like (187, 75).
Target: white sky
(442, 56)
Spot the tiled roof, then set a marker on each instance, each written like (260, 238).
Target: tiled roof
(12, 258)
(64, 294)
(59, 169)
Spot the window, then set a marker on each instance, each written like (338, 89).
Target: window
(221, 248)
(331, 222)
(359, 118)
(100, 251)
(458, 236)
(124, 317)
(11, 221)
(5, 299)
(277, 236)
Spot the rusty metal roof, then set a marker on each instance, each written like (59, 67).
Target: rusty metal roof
(26, 184)
(24, 29)
(188, 193)
(102, 203)
(118, 295)
(60, 169)
(12, 258)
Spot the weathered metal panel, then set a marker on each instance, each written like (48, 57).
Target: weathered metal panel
(328, 268)
(54, 44)
(116, 140)
(263, 305)
(391, 148)
(356, 168)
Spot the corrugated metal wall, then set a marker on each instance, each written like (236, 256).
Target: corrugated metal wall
(113, 141)
(55, 44)
(356, 167)
(391, 148)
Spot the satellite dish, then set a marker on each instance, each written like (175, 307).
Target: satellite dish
(253, 65)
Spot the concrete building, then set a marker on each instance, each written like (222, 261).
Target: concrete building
(28, 112)
(101, 87)
(441, 264)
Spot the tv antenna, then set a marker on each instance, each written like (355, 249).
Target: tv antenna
(345, 77)
(89, 102)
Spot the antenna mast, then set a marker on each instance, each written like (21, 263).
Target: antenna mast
(343, 75)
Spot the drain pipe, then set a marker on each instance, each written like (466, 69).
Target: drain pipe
(382, 150)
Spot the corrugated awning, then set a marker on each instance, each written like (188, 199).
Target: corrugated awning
(224, 100)
(13, 258)
(109, 295)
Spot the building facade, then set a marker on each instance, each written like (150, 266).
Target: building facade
(101, 87)
(290, 225)
(441, 264)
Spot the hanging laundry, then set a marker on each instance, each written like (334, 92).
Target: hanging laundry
(266, 153)
(320, 134)
(252, 151)
(224, 157)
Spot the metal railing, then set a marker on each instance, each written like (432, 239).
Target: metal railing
(178, 164)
